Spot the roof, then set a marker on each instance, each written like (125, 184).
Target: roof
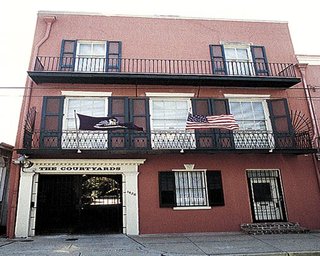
(175, 17)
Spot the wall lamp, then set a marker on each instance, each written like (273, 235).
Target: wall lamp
(23, 161)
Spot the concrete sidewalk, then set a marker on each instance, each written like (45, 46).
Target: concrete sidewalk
(165, 244)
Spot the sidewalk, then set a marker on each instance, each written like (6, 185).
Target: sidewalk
(165, 245)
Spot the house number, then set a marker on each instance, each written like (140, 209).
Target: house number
(131, 193)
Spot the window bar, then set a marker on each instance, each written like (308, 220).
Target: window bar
(178, 189)
(190, 189)
(194, 187)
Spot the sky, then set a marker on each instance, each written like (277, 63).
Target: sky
(18, 18)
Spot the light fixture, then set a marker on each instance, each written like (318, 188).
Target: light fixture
(23, 161)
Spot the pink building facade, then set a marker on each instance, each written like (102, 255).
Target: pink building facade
(128, 164)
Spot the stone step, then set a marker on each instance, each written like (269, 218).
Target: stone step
(272, 228)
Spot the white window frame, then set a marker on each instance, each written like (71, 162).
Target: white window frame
(205, 190)
(171, 138)
(100, 66)
(245, 66)
(265, 111)
(241, 137)
(73, 138)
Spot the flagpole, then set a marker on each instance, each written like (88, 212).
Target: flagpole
(77, 132)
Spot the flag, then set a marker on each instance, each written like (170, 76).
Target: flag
(92, 123)
(208, 122)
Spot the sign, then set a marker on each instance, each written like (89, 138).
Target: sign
(79, 168)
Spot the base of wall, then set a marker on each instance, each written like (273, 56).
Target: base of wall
(273, 228)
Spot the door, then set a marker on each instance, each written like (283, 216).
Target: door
(79, 204)
(266, 196)
(100, 204)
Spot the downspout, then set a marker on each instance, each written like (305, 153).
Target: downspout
(49, 20)
(15, 173)
(315, 140)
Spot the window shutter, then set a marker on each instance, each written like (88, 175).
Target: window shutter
(220, 106)
(139, 115)
(204, 137)
(218, 59)
(167, 189)
(67, 55)
(260, 62)
(215, 189)
(118, 107)
(200, 106)
(281, 123)
(51, 121)
(113, 56)
(223, 138)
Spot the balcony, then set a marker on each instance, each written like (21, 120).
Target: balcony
(101, 143)
(163, 72)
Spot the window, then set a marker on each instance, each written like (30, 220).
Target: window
(196, 188)
(254, 124)
(90, 106)
(249, 114)
(169, 114)
(238, 59)
(90, 56)
(190, 189)
(168, 121)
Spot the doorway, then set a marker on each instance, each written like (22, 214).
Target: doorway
(266, 197)
(79, 204)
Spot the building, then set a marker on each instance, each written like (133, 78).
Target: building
(5, 160)
(103, 140)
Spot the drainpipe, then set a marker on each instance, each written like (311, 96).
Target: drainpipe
(49, 20)
(15, 173)
(315, 140)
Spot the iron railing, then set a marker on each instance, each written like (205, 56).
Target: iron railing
(164, 66)
(168, 140)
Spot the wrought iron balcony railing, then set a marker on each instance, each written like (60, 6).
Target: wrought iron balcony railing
(164, 66)
(167, 140)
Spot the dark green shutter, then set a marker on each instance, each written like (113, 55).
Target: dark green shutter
(218, 59)
(260, 61)
(215, 189)
(204, 137)
(281, 123)
(212, 138)
(119, 108)
(140, 116)
(223, 138)
(67, 55)
(167, 190)
(51, 121)
(113, 56)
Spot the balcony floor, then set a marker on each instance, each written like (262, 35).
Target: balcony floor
(162, 79)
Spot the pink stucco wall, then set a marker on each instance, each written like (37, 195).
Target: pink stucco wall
(297, 175)
(171, 38)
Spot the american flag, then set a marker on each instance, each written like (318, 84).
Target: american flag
(208, 122)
